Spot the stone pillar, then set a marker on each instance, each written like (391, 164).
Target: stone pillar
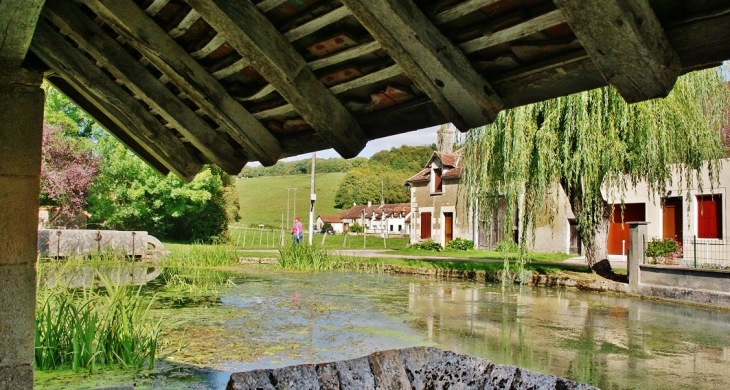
(21, 125)
(637, 235)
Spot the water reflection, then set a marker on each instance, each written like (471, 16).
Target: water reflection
(262, 317)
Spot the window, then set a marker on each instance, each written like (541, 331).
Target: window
(437, 184)
(709, 216)
(391, 228)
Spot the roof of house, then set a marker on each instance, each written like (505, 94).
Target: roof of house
(330, 218)
(450, 161)
(377, 211)
(184, 83)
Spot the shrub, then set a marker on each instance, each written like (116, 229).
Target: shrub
(429, 245)
(356, 228)
(507, 246)
(460, 244)
(664, 251)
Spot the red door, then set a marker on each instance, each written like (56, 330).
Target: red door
(618, 229)
(448, 227)
(672, 219)
(425, 225)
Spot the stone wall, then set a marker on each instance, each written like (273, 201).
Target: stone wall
(415, 368)
(80, 242)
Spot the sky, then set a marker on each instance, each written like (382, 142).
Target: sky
(425, 136)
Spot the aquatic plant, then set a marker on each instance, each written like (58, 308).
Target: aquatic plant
(199, 255)
(85, 327)
(309, 258)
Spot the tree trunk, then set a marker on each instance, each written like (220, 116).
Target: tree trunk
(598, 248)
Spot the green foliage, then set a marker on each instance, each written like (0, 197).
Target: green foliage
(664, 250)
(302, 167)
(594, 141)
(460, 244)
(356, 228)
(129, 195)
(409, 159)
(62, 112)
(198, 255)
(309, 258)
(89, 327)
(429, 245)
(507, 246)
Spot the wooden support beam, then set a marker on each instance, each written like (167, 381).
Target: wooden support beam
(17, 23)
(316, 24)
(435, 64)
(91, 109)
(112, 56)
(249, 32)
(628, 45)
(184, 24)
(156, 7)
(187, 74)
(128, 113)
(461, 9)
(529, 27)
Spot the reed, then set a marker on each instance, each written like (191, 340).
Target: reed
(310, 258)
(84, 327)
(199, 255)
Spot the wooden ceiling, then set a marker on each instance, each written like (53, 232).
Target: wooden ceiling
(189, 82)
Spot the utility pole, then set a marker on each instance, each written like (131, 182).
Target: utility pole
(287, 203)
(312, 199)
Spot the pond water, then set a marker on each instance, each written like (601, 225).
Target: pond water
(263, 317)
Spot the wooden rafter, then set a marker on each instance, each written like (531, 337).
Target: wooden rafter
(433, 62)
(128, 113)
(17, 23)
(187, 74)
(112, 56)
(460, 10)
(628, 45)
(79, 97)
(249, 32)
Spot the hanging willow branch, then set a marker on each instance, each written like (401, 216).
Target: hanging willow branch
(594, 146)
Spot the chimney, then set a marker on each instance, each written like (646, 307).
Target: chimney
(445, 138)
(370, 204)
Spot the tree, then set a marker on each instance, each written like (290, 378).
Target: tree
(594, 146)
(68, 169)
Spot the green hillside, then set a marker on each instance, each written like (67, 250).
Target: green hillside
(263, 199)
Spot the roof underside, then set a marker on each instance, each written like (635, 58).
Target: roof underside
(184, 83)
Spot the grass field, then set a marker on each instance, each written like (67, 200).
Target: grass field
(264, 199)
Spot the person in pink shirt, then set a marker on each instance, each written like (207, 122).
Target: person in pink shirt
(297, 233)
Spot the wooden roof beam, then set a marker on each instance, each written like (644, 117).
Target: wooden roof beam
(110, 54)
(187, 74)
(433, 62)
(249, 32)
(627, 44)
(17, 23)
(114, 101)
(91, 108)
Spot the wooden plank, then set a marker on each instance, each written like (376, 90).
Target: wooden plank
(91, 109)
(156, 7)
(368, 79)
(627, 43)
(316, 24)
(184, 24)
(461, 9)
(231, 69)
(337, 58)
(134, 76)
(187, 74)
(116, 103)
(210, 47)
(255, 38)
(17, 23)
(433, 62)
(542, 22)
(268, 5)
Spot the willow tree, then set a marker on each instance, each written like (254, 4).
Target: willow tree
(595, 146)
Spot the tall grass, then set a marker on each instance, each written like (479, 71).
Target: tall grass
(198, 255)
(85, 327)
(309, 258)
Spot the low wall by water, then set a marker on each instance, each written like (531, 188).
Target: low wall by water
(85, 242)
(415, 368)
(702, 286)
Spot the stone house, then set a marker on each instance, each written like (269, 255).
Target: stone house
(387, 219)
(333, 220)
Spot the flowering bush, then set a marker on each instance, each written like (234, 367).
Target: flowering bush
(428, 246)
(664, 251)
(460, 244)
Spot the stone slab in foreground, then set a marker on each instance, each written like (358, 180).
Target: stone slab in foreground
(415, 368)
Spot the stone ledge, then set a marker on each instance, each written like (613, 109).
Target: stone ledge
(417, 368)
